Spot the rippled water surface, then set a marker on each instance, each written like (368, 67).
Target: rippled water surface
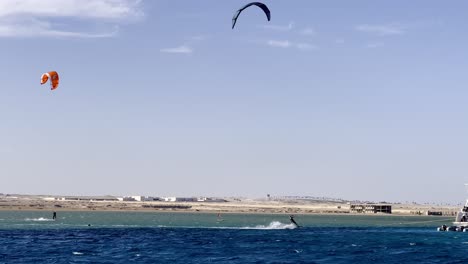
(116, 237)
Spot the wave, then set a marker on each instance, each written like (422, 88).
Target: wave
(275, 225)
(40, 219)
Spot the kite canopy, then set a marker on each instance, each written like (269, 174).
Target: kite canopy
(54, 79)
(261, 5)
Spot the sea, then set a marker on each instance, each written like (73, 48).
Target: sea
(174, 237)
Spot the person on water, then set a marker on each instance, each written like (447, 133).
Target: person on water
(219, 218)
(54, 216)
(291, 218)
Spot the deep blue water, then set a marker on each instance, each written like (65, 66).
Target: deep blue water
(204, 245)
(50, 242)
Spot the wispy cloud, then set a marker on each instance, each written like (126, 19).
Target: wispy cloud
(33, 18)
(288, 27)
(38, 28)
(381, 30)
(112, 9)
(187, 47)
(288, 44)
(279, 43)
(181, 49)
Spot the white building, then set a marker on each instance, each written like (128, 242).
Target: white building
(170, 199)
(179, 199)
(138, 198)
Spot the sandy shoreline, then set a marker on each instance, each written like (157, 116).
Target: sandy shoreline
(247, 206)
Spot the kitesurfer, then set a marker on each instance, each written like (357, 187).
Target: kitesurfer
(54, 216)
(291, 218)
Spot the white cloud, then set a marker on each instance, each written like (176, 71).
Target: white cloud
(288, 44)
(72, 8)
(39, 28)
(381, 30)
(186, 48)
(33, 18)
(288, 27)
(279, 43)
(181, 49)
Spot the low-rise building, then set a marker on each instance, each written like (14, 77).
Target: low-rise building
(138, 198)
(169, 199)
(370, 208)
(209, 199)
(50, 198)
(179, 199)
(88, 198)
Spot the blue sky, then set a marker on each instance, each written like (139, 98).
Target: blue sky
(354, 100)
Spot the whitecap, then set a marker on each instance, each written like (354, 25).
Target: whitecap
(40, 219)
(274, 226)
(77, 253)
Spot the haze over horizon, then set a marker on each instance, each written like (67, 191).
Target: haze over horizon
(360, 100)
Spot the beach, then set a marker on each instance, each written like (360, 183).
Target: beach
(229, 205)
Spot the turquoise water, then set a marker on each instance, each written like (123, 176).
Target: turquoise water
(126, 237)
(40, 219)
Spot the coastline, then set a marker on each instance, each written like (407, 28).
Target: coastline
(234, 207)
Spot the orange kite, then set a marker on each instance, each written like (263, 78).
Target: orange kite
(54, 79)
